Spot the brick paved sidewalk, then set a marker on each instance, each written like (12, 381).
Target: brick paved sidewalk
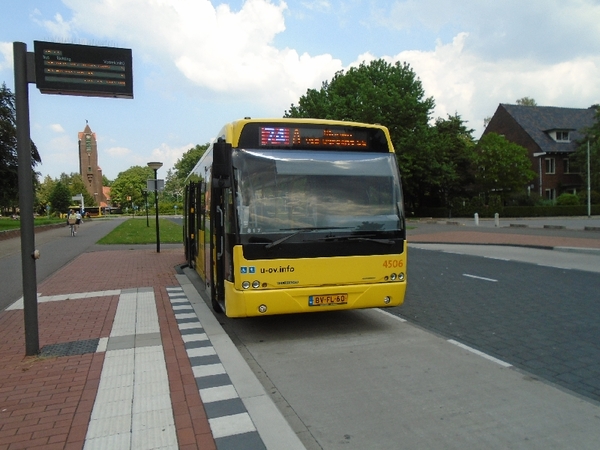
(46, 401)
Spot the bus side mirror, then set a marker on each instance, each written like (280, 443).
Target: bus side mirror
(221, 167)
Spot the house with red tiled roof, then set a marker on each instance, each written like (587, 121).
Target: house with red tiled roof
(550, 135)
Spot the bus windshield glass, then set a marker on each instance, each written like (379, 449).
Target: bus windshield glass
(286, 190)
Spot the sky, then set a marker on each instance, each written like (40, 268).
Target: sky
(198, 64)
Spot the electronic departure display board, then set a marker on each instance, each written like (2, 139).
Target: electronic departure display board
(86, 70)
(313, 136)
(320, 137)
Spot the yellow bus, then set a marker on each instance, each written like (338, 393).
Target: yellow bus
(297, 215)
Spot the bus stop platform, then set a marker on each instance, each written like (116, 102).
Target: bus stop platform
(130, 358)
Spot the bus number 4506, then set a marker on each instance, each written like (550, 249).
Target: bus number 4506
(393, 263)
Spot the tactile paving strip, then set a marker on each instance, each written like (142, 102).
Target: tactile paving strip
(228, 417)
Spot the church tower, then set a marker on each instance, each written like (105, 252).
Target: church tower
(90, 173)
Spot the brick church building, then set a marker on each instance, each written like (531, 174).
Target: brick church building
(91, 173)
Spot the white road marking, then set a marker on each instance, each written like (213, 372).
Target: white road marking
(477, 352)
(479, 278)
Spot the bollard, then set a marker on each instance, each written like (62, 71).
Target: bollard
(476, 219)
(497, 220)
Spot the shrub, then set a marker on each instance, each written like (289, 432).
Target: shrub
(567, 200)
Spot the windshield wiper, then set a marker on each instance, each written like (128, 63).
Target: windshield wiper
(358, 238)
(283, 239)
(298, 231)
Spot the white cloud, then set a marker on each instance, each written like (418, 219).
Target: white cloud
(463, 83)
(321, 6)
(6, 50)
(117, 152)
(59, 29)
(57, 128)
(168, 155)
(545, 30)
(224, 51)
(487, 52)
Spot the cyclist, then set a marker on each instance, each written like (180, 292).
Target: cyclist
(71, 221)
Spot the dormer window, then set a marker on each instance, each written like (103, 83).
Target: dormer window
(563, 136)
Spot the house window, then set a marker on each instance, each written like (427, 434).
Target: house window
(563, 136)
(566, 166)
(551, 194)
(550, 165)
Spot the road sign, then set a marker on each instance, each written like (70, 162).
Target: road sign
(155, 185)
(85, 70)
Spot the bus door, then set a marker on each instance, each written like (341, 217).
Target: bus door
(223, 238)
(190, 228)
(217, 290)
(222, 223)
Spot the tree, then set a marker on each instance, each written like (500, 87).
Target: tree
(450, 174)
(591, 136)
(60, 198)
(526, 101)
(9, 163)
(501, 166)
(175, 180)
(380, 92)
(188, 161)
(77, 186)
(43, 194)
(127, 189)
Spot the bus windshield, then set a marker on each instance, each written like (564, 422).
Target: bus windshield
(283, 190)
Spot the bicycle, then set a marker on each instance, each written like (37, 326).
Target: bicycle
(72, 227)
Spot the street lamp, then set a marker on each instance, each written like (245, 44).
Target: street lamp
(155, 166)
(589, 189)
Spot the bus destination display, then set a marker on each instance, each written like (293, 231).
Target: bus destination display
(83, 70)
(311, 137)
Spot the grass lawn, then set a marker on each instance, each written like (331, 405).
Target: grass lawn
(135, 231)
(7, 223)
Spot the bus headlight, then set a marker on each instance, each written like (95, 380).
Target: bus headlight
(393, 277)
(387, 300)
(256, 284)
(401, 276)
(245, 284)
(262, 309)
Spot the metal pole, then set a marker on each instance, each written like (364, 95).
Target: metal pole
(145, 192)
(156, 205)
(28, 253)
(589, 189)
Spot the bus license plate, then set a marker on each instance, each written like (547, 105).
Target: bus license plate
(323, 300)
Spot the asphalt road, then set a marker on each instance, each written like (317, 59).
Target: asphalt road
(57, 248)
(539, 318)
(397, 379)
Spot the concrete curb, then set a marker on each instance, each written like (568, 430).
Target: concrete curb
(270, 423)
